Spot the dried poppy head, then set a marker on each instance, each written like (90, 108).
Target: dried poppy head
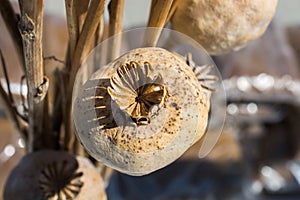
(49, 174)
(143, 110)
(222, 26)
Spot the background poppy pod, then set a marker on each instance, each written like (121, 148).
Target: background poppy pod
(223, 26)
(49, 174)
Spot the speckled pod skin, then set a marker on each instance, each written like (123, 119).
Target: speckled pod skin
(221, 26)
(27, 178)
(139, 150)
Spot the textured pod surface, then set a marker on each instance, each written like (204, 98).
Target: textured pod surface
(221, 26)
(111, 136)
(49, 174)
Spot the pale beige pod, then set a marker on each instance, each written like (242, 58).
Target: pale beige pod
(222, 26)
(56, 175)
(142, 111)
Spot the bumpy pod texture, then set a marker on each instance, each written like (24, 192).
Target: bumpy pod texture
(149, 83)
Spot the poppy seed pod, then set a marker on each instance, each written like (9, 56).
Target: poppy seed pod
(222, 26)
(142, 111)
(49, 174)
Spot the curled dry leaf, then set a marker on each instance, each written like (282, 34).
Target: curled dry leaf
(221, 26)
(142, 111)
(49, 174)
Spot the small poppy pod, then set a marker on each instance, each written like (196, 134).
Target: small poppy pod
(142, 111)
(57, 175)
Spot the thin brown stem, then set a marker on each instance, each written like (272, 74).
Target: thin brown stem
(82, 8)
(8, 98)
(98, 38)
(4, 68)
(78, 148)
(62, 106)
(86, 37)
(115, 9)
(159, 12)
(11, 111)
(11, 22)
(158, 18)
(30, 27)
(73, 27)
(21, 3)
(99, 32)
(54, 59)
(172, 10)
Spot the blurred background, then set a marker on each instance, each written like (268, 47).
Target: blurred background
(257, 155)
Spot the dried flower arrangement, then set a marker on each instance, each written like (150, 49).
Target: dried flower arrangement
(152, 100)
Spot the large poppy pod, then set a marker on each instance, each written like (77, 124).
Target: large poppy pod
(142, 111)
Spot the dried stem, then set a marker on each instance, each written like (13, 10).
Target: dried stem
(115, 8)
(159, 12)
(54, 59)
(73, 27)
(30, 27)
(78, 148)
(158, 18)
(89, 28)
(82, 8)
(11, 111)
(99, 36)
(8, 98)
(172, 10)
(90, 25)
(6, 78)
(62, 106)
(11, 22)
(21, 3)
